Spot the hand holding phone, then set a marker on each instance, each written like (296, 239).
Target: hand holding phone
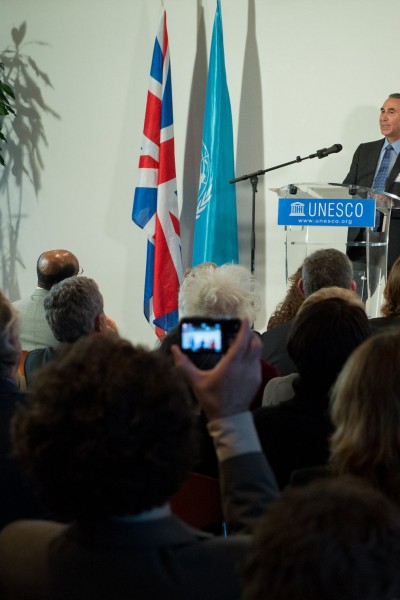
(230, 386)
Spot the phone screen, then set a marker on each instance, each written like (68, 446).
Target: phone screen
(201, 337)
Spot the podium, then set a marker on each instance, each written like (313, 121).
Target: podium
(352, 219)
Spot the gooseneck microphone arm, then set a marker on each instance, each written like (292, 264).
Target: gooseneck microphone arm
(319, 153)
(254, 182)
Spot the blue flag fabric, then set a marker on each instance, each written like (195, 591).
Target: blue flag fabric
(216, 234)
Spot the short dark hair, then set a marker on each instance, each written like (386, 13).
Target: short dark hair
(107, 430)
(72, 306)
(323, 335)
(394, 96)
(327, 267)
(332, 540)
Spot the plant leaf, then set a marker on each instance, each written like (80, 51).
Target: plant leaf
(18, 34)
(7, 89)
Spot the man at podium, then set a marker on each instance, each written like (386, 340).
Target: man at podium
(377, 165)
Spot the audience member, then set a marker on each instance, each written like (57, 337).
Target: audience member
(74, 308)
(295, 433)
(323, 268)
(209, 291)
(229, 291)
(366, 415)
(17, 496)
(332, 540)
(52, 266)
(108, 434)
(280, 389)
(365, 409)
(287, 309)
(390, 310)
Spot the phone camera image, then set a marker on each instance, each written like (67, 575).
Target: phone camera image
(201, 337)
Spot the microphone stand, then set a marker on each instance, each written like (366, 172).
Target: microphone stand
(254, 183)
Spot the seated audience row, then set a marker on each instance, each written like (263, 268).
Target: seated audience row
(108, 434)
(365, 410)
(323, 268)
(295, 433)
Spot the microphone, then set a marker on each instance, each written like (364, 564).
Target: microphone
(325, 151)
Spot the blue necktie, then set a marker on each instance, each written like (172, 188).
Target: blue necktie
(380, 181)
(383, 171)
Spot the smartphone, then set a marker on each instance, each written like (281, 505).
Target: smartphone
(201, 335)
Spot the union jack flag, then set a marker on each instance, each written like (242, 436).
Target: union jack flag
(155, 204)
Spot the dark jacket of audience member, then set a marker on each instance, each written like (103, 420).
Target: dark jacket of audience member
(18, 499)
(365, 411)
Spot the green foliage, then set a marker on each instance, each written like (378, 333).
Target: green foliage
(6, 108)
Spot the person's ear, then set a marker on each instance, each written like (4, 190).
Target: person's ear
(353, 286)
(100, 322)
(301, 286)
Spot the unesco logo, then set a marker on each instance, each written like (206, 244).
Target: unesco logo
(297, 209)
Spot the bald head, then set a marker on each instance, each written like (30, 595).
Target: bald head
(54, 266)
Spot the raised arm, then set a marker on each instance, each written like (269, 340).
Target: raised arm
(225, 394)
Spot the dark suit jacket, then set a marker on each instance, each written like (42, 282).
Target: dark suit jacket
(145, 560)
(362, 172)
(36, 359)
(380, 324)
(274, 348)
(17, 498)
(295, 433)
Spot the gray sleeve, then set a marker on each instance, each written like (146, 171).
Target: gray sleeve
(248, 486)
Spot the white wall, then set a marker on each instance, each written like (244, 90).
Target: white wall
(302, 74)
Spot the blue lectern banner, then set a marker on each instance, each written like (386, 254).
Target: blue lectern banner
(330, 212)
